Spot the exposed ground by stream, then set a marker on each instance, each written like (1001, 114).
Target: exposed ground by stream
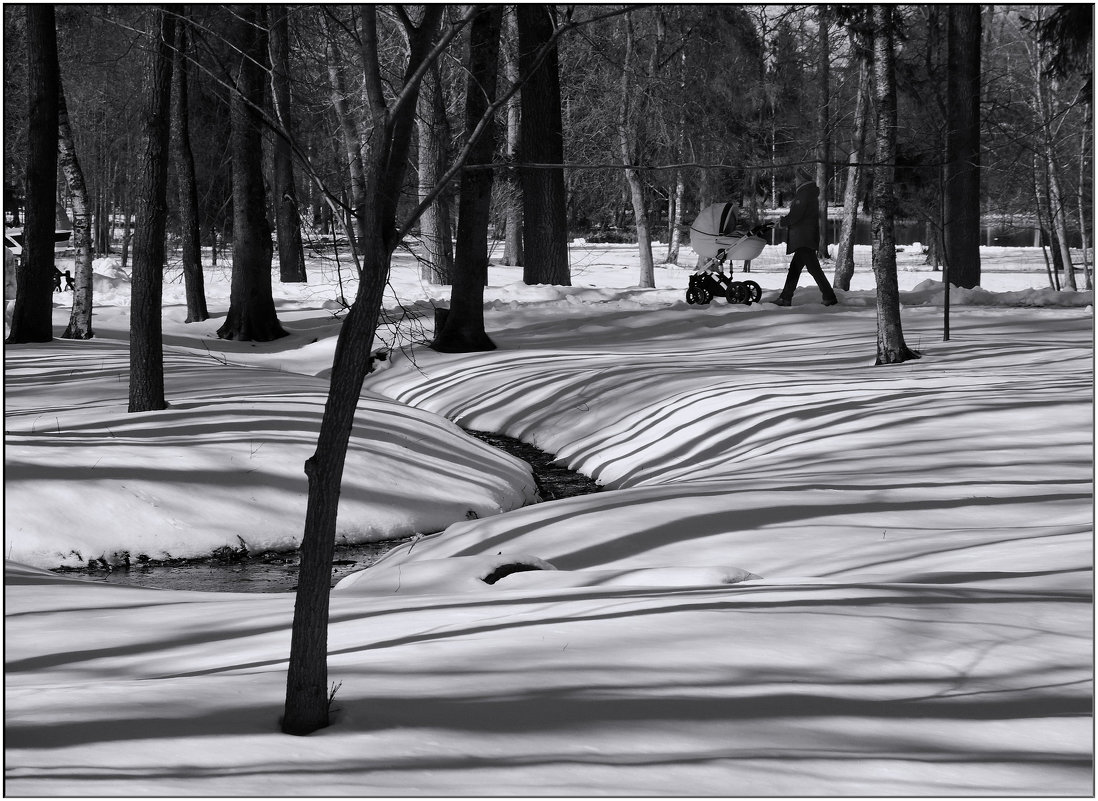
(240, 570)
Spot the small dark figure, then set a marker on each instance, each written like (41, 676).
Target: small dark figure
(67, 276)
(802, 240)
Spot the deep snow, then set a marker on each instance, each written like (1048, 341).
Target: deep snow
(808, 575)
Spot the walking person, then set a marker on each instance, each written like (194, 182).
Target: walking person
(802, 239)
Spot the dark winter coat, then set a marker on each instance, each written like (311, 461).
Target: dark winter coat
(803, 220)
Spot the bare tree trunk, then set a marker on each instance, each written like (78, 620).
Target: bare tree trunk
(675, 237)
(252, 315)
(545, 225)
(384, 167)
(291, 255)
(434, 224)
(844, 252)
(1080, 197)
(80, 321)
(512, 247)
(127, 226)
(193, 279)
(629, 133)
(1058, 216)
(347, 128)
(32, 315)
(463, 330)
(146, 326)
(1044, 225)
(823, 124)
(891, 347)
(962, 176)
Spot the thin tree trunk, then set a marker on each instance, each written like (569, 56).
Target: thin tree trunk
(384, 166)
(1045, 111)
(675, 235)
(146, 338)
(544, 210)
(351, 144)
(1080, 198)
(80, 321)
(823, 124)
(32, 315)
(512, 246)
(1044, 227)
(891, 347)
(291, 254)
(629, 126)
(463, 330)
(193, 279)
(844, 252)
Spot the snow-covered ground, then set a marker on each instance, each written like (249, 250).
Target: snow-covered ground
(807, 575)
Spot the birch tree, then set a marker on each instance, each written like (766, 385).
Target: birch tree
(80, 321)
(186, 182)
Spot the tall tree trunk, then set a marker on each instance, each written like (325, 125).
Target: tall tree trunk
(891, 348)
(80, 321)
(463, 330)
(434, 224)
(146, 338)
(1044, 216)
(512, 246)
(1085, 170)
(291, 254)
(823, 124)
(251, 314)
(1057, 212)
(855, 179)
(629, 125)
(962, 169)
(32, 315)
(384, 167)
(348, 130)
(545, 224)
(127, 225)
(674, 239)
(193, 279)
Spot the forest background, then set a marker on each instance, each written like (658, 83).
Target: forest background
(706, 103)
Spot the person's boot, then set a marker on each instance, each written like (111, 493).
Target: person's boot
(782, 301)
(831, 301)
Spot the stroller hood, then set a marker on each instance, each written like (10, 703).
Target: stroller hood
(717, 228)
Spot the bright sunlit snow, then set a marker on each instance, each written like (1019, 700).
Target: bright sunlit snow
(805, 575)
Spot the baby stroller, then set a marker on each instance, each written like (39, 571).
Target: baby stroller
(716, 235)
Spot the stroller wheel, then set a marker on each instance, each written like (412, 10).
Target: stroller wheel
(754, 292)
(691, 296)
(737, 293)
(704, 295)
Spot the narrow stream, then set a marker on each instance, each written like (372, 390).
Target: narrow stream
(231, 570)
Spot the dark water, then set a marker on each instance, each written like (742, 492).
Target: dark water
(232, 570)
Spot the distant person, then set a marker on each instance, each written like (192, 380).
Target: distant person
(59, 276)
(802, 239)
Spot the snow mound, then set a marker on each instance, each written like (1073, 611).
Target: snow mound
(521, 571)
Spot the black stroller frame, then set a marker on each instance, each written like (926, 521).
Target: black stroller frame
(712, 282)
(717, 235)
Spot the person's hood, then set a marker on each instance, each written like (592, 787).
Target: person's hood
(808, 186)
